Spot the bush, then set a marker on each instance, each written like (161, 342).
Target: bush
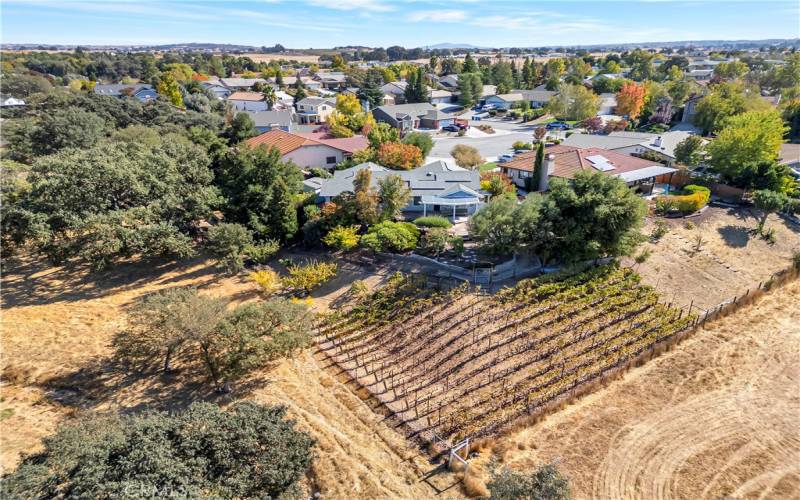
(433, 221)
(399, 156)
(695, 198)
(305, 278)
(391, 236)
(457, 245)
(546, 483)
(188, 455)
(343, 238)
(434, 241)
(522, 145)
(268, 280)
(659, 231)
(467, 156)
(665, 204)
(227, 243)
(421, 140)
(262, 252)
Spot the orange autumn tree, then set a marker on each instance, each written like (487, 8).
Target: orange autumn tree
(399, 156)
(630, 100)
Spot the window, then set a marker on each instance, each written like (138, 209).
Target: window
(417, 200)
(523, 174)
(330, 160)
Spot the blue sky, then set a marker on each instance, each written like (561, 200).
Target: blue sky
(411, 23)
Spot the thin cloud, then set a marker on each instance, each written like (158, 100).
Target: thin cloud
(364, 5)
(442, 16)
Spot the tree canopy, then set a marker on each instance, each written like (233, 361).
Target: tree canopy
(202, 452)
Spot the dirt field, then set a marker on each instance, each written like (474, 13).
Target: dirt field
(717, 417)
(731, 259)
(56, 328)
(276, 57)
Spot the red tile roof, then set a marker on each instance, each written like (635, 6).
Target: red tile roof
(570, 160)
(287, 142)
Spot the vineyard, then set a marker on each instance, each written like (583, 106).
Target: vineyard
(459, 363)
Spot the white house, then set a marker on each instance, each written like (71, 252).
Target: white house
(311, 110)
(241, 83)
(248, 101)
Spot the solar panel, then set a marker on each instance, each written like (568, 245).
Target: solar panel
(600, 163)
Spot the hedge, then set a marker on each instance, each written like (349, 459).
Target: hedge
(433, 221)
(696, 197)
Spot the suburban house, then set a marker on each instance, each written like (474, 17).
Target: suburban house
(275, 119)
(436, 188)
(608, 104)
(219, 90)
(141, 91)
(332, 80)
(405, 117)
(315, 149)
(311, 110)
(504, 101)
(536, 98)
(248, 101)
(441, 97)
(660, 147)
(449, 81)
(308, 82)
(241, 83)
(565, 161)
(700, 75)
(396, 90)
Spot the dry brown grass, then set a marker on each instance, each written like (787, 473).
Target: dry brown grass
(57, 324)
(731, 260)
(716, 416)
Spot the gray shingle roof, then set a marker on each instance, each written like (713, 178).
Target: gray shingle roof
(266, 118)
(433, 179)
(116, 89)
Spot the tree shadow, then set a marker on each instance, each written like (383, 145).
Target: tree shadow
(110, 383)
(34, 281)
(735, 236)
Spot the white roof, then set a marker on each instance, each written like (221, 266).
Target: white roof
(646, 173)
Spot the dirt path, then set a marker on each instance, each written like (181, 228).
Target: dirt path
(717, 416)
(57, 324)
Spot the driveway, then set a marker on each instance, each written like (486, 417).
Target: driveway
(490, 147)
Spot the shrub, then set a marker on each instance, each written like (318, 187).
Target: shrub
(690, 225)
(399, 156)
(262, 252)
(665, 204)
(421, 140)
(659, 231)
(391, 236)
(342, 238)
(433, 221)
(457, 245)
(227, 243)
(467, 156)
(693, 199)
(200, 452)
(522, 145)
(305, 278)
(268, 280)
(434, 241)
(545, 483)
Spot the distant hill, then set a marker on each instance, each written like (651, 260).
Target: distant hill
(453, 46)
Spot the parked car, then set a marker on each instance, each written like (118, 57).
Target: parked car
(487, 107)
(504, 158)
(558, 126)
(451, 128)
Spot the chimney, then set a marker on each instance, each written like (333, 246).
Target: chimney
(547, 168)
(657, 142)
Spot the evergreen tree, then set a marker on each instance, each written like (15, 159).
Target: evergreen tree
(466, 98)
(370, 90)
(527, 74)
(299, 91)
(282, 212)
(537, 166)
(279, 79)
(470, 66)
(422, 88)
(411, 83)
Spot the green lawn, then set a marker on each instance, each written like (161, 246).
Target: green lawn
(487, 166)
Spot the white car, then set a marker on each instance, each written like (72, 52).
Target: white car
(504, 158)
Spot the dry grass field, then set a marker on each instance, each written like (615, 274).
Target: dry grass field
(57, 324)
(731, 258)
(718, 417)
(277, 57)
